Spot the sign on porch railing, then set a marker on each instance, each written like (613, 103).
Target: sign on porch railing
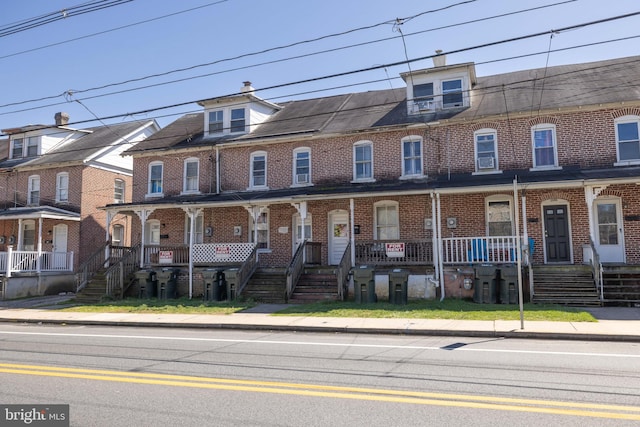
(394, 250)
(165, 257)
(221, 252)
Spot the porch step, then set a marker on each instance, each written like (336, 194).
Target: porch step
(94, 291)
(316, 285)
(267, 286)
(621, 285)
(566, 285)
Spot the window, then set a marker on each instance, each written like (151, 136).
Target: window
(260, 230)
(499, 216)
(486, 156)
(628, 138)
(191, 176)
(117, 235)
(412, 156)
(301, 166)
(33, 146)
(62, 187)
(155, 179)
(386, 221)
(452, 93)
(215, 121)
(237, 120)
(29, 235)
(258, 170)
(363, 161)
(199, 229)
(118, 191)
(152, 232)
(16, 153)
(34, 190)
(544, 146)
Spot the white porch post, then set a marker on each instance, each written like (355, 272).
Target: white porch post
(591, 193)
(434, 239)
(9, 259)
(302, 211)
(39, 246)
(193, 215)
(352, 237)
(19, 242)
(107, 249)
(143, 214)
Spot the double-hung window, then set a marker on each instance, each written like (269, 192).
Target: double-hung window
(216, 124)
(544, 146)
(258, 170)
(237, 120)
(198, 229)
(152, 232)
(155, 178)
(259, 230)
(499, 216)
(387, 225)
(191, 181)
(117, 235)
(423, 96)
(452, 93)
(118, 191)
(33, 146)
(62, 187)
(302, 166)
(628, 138)
(412, 156)
(16, 152)
(34, 190)
(363, 161)
(486, 153)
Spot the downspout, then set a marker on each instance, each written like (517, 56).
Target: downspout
(352, 238)
(217, 170)
(439, 239)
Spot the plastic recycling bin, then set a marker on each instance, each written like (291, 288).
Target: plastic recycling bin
(146, 283)
(364, 284)
(485, 286)
(167, 283)
(231, 277)
(398, 286)
(509, 284)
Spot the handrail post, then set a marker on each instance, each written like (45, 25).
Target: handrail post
(9, 260)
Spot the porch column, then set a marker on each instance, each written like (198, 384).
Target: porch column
(591, 193)
(255, 212)
(434, 239)
(19, 242)
(439, 240)
(352, 236)
(107, 249)
(193, 214)
(143, 214)
(302, 211)
(39, 246)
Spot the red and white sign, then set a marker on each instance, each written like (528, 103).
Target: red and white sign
(222, 251)
(165, 257)
(394, 250)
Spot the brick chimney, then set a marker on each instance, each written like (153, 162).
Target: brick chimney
(62, 119)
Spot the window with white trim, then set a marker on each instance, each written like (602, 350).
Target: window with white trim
(191, 176)
(261, 229)
(387, 224)
(545, 150)
(155, 178)
(33, 197)
(117, 235)
(33, 146)
(302, 166)
(486, 150)
(411, 156)
(363, 161)
(62, 187)
(258, 177)
(28, 235)
(452, 93)
(118, 190)
(216, 121)
(628, 138)
(237, 120)
(16, 149)
(25, 147)
(499, 211)
(152, 232)
(198, 232)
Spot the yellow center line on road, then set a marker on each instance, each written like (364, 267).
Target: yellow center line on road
(357, 393)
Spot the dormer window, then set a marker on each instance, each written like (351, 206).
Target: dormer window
(16, 153)
(237, 120)
(215, 122)
(227, 120)
(452, 93)
(25, 147)
(423, 96)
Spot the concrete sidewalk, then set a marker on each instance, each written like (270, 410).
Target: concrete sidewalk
(614, 323)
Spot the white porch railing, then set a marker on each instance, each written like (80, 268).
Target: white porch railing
(34, 261)
(470, 250)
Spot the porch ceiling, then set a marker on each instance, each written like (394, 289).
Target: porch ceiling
(37, 212)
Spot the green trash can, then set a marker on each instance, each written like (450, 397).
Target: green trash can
(485, 286)
(509, 284)
(364, 284)
(167, 283)
(398, 286)
(231, 279)
(209, 281)
(146, 283)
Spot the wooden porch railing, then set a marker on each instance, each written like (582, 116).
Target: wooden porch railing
(180, 254)
(246, 270)
(342, 272)
(125, 264)
(469, 250)
(372, 252)
(95, 262)
(295, 268)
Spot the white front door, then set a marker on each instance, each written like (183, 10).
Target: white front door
(338, 235)
(60, 233)
(609, 234)
(297, 230)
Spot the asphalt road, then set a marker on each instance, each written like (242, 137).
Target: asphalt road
(139, 377)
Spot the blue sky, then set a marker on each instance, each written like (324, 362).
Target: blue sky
(141, 38)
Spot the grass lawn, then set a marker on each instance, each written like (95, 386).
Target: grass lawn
(423, 309)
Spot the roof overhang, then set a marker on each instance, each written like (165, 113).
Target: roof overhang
(37, 212)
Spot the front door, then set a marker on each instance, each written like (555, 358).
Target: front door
(60, 232)
(297, 230)
(556, 233)
(609, 236)
(338, 235)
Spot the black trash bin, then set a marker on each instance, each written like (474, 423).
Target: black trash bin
(167, 283)
(146, 283)
(209, 280)
(509, 284)
(364, 284)
(485, 287)
(231, 279)
(398, 286)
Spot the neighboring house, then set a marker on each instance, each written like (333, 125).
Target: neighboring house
(54, 179)
(536, 167)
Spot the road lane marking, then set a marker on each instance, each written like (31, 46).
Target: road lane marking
(327, 344)
(341, 392)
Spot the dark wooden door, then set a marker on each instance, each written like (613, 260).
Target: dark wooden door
(556, 231)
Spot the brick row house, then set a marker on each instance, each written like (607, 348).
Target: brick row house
(451, 173)
(54, 180)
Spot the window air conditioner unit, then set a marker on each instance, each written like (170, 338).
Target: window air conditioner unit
(486, 163)
(302, 178)
(425, 105)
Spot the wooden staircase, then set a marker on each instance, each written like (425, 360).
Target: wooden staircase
(267, 285)
(316, 284)
(95, 290)
(566, 285)
(621, 284)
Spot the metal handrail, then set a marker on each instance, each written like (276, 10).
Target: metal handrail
(344, 267)
(295, 268)
(596, 269)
